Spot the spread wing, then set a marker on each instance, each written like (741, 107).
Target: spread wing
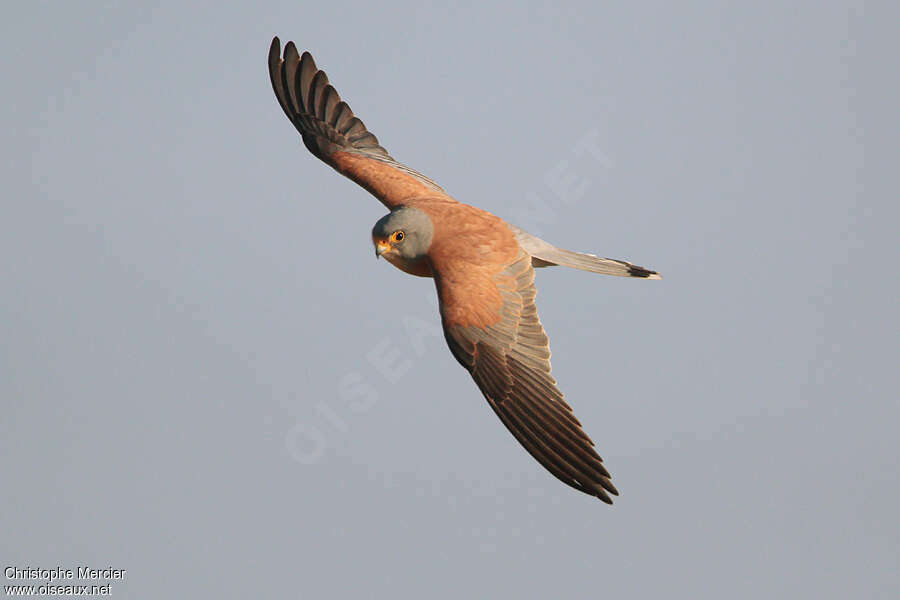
(509, 359)
(335, 135)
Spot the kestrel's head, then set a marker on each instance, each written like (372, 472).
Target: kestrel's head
(403, 234)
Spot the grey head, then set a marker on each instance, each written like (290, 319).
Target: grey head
(404, 234)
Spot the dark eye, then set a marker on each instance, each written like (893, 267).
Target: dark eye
(398, 236)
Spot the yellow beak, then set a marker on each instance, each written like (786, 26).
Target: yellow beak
(381, 246)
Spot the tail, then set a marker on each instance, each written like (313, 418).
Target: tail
(544, 254)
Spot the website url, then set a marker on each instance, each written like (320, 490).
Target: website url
(57, 590)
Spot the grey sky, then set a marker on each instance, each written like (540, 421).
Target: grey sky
(191, 305)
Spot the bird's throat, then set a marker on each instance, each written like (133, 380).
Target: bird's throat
(420, 267)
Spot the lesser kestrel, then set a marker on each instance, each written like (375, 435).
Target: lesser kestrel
(483, 269)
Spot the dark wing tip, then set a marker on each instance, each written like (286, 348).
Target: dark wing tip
(274, 53)
(636, 271)
(602, 489)
(290, 52)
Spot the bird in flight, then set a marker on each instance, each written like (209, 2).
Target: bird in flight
(483, 269)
